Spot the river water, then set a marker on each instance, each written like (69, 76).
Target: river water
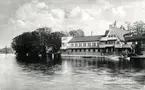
(72, 74)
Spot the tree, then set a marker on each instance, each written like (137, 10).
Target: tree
(138, 27)
(137, 30)
(78, 32)
(37, 42)
(128, 26)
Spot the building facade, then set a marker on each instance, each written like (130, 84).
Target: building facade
(84, 45)
(112, 41)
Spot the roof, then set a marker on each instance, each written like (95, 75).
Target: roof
(135, 38)
(120, 33)
(106, 33)
(86, 38)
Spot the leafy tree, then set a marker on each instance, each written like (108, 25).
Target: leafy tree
(78, 32)
(138, 27)
(37, 42)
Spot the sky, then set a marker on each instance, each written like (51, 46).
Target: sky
(18, 16)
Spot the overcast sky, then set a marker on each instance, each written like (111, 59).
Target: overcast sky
(17, 16)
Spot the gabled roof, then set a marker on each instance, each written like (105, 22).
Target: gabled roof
(106, 33)
(120, 33)
(86, 38)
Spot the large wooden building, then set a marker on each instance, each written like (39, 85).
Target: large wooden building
(112, 41)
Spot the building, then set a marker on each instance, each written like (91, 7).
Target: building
(64, 42)
(84, 45)
(114, 40)
(136, 39)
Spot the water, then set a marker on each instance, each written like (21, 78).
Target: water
(71, 74)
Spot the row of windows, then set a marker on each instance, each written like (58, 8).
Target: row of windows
(111, 35)
(84, 50)
(110, 42)
(83, 44)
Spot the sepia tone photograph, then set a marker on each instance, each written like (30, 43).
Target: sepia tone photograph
(72, 45)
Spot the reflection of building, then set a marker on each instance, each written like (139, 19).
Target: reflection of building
(112, 41)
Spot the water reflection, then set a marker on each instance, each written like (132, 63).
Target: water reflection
(71, 74)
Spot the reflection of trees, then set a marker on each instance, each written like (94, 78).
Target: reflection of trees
(41, 67)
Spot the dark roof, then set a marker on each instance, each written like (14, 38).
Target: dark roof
(106, 33)
(135, 38)
(86, 38)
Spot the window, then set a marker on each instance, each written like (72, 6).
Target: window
(89, 44)
(80, 44)
(84, 44)
(98, 50)
(84, 50)
(76, 44)
(93, 44)
(117, 42)
(72, 45)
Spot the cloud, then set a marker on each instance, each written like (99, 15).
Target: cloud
(37, 14)
(119, 11)
(82, 14)
(105, 4)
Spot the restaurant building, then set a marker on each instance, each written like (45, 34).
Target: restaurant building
(112, 41)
